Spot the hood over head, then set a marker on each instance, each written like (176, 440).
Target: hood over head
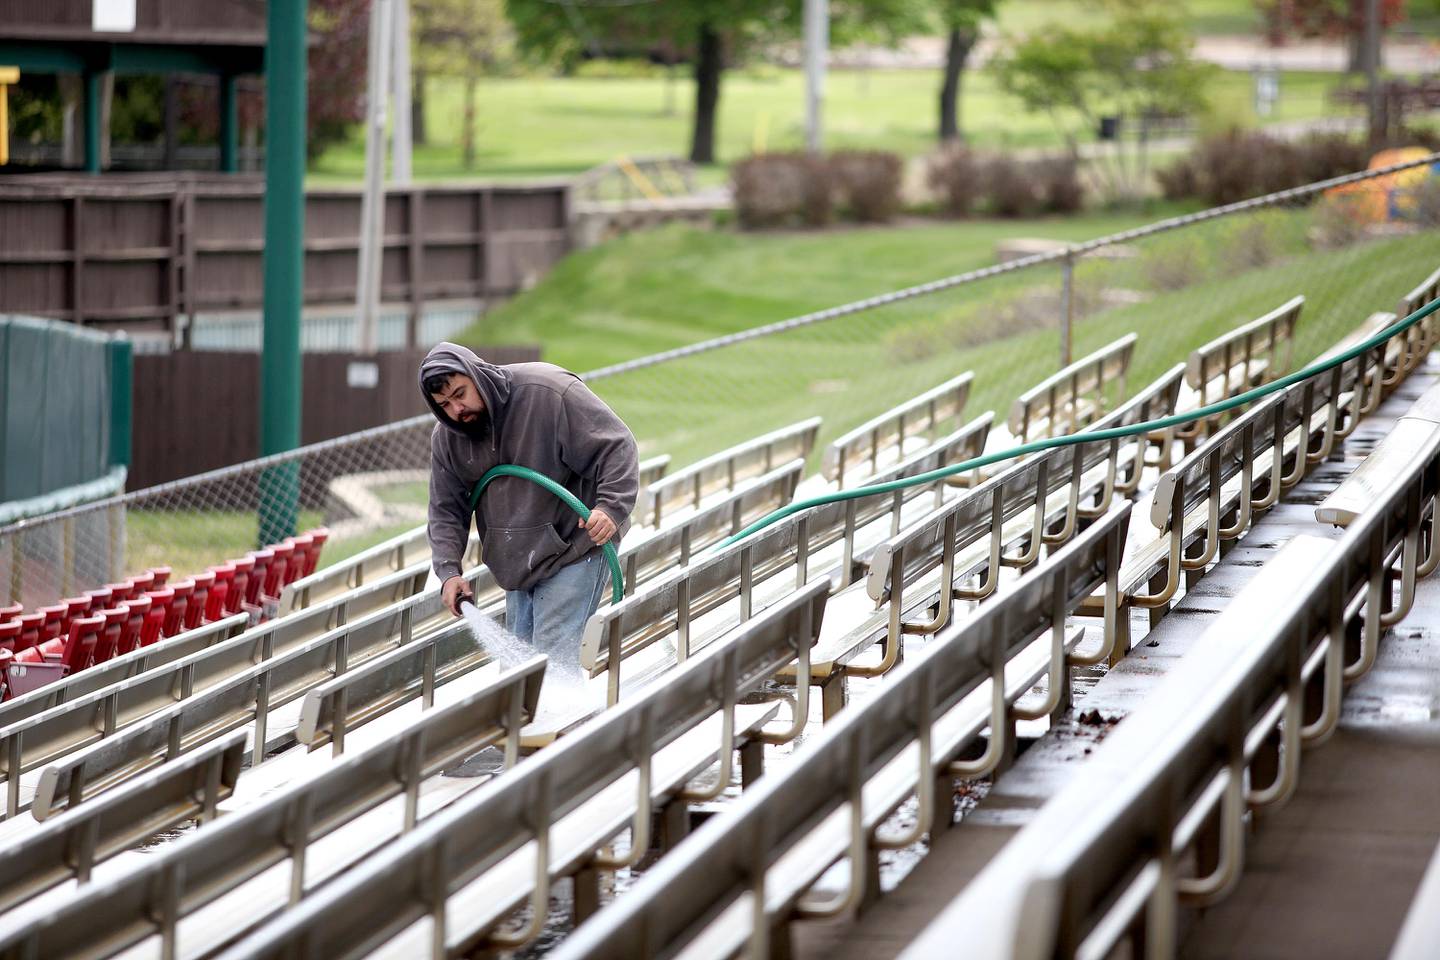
(491, 380)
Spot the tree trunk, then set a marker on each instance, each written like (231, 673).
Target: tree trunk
(707, 95)
(467, 126)
(417, 109)
(957, 51)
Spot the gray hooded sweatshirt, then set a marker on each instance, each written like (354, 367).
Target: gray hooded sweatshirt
(538, 416)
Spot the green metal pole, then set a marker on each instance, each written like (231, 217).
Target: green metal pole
(229, 125)
(284, 261)
(94, 80)
(121, 381)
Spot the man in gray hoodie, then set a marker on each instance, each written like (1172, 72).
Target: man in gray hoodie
(539, 416)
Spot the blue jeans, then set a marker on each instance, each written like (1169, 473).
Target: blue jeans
(551, 615)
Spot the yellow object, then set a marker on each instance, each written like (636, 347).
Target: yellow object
(1389, 197)
(8, 75)
(642, 182)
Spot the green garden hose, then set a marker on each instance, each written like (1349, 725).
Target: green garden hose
(617, 577)
(1113, 433)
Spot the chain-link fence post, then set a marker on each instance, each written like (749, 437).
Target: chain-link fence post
(1067, 305)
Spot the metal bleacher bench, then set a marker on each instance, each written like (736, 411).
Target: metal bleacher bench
(1252, 354)
(692, 487)
(881, 441)
(737, 883)
(696, 604)
(444, 888)
(1189, 752)
(366, 798)
(1071, 398)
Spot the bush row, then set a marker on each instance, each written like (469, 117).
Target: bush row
(804, 189)
(786, 189)
(1239, 164)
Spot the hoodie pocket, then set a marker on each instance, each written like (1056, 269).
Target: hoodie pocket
(514, 552)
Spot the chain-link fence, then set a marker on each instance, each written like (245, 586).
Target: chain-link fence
(1351, 246)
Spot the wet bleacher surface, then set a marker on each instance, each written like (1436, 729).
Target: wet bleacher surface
(1170, 691)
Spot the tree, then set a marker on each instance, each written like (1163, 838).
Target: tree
(1327, 18)
(1137, 66)
(710, 33)
(337, 62)
(463, 39)
(961, 20)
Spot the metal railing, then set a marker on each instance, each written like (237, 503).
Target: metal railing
(745, 859)
(1068, 887)
(519, 817)
(160, 892)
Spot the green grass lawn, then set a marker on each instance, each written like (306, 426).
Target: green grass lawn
(659, 290)
(545, 126)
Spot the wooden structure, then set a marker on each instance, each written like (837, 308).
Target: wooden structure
(144, 251)
(223, 38)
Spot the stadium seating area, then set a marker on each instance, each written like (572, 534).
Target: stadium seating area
(53, 642)
(965, 607)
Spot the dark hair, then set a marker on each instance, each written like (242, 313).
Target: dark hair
(435, 383)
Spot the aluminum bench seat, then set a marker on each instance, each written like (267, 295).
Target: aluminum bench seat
(180, 878)
(924, 417)
(1266, 678)
(736, 884)
(556, 813)
(1069, 399)
(691, 488)
(1392, 454)
(829, 542)
(1421, 930)
(1249, 355)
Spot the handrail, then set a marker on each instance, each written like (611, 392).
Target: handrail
(1282, 631)
(153, 897)
(731, 856)
(412, 878)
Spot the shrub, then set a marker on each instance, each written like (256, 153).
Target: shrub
(1426, 197)
(1325, 155)
(1011, 189)
(1249, 244)
(779, 189)
(1338, 221)
(1059, 181)
(955, 174)
(1180, 180)
(867, 182)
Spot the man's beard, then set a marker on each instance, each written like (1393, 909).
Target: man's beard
(477, 429)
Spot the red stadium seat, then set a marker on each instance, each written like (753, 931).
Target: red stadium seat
(6, 658)
(162, 574)
(135, 613)
(200, 599)
(109, 639)
(75, 607)
(141, 582)
(217, 605)
(318, 536)
(240, 585)
(295, 568)
(11, 612)
(277, 574)
(32, 625)
(101, 598)
(155, 620)
(9, 634)
(259, 575)
(179, 604)
(25, 674)
(54, 621)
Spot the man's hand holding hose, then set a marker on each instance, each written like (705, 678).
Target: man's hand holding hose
(455, 590)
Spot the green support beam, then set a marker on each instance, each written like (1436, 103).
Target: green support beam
(121, 391)
(229, 125)
(284, 264)
(94, 87)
